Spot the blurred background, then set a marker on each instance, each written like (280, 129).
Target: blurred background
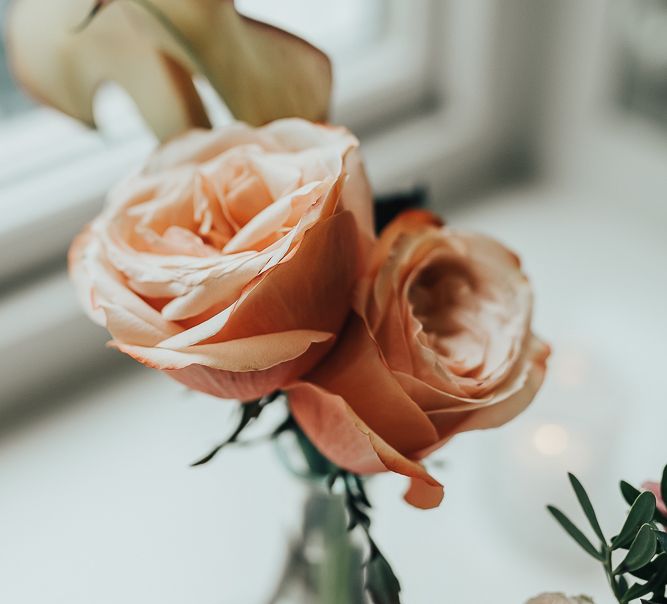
(540, 122)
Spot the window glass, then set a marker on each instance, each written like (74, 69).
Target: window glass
(12, 100)
(641, 26)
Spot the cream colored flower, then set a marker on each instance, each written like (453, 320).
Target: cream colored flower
(559, 599)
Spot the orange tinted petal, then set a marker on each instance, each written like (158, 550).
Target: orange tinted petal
(311, 290)
(248, 385)
(343, 437)
(519, 391)
(356, 371)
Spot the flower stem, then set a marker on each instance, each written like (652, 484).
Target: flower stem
(609, 571)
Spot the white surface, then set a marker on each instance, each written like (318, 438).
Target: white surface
(98, 505)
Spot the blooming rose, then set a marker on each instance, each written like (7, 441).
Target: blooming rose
(229, 262)
(440, 344)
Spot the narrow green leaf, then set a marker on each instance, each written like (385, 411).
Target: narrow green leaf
(381, 582)
(641, 551)
(586, 505)
(250, 411)
(640, 513)
(663, 485)
(629, 492)
(574, 532)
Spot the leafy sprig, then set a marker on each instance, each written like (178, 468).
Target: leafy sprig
(380, 581)
(641, 544)
(250, 411)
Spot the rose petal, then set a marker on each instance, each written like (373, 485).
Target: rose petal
(343, 437)
(294, 293)
(356, 371)
(518, 393)
(253, 353)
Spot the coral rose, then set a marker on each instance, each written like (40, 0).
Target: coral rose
(440, 343)
(230, 261)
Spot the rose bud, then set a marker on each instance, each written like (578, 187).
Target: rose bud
(229, 262)
(440, 343)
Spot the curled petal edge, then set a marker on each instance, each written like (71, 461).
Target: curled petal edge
(341, 436)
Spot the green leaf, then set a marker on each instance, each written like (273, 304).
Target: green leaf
(381, 582)
(662, 539)
(629, 492)
(641, 512)
(654, 583)
(646, 572)
(574, 532)
(663, 485)
(587, 506)
(250, 411)
(641, 551)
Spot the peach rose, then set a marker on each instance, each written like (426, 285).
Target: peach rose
(440, 344)
(229, 262)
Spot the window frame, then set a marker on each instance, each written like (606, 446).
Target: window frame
(618, 152)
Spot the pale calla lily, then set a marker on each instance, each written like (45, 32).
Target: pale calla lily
(152, 49)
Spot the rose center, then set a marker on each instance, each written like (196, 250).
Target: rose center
(445, 300)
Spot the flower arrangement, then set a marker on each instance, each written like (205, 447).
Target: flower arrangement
(244, 261)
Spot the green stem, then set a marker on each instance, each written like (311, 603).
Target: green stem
(609, 570)
(317, 463)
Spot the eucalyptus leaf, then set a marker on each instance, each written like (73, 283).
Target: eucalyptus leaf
(587, 506)
(574, 532)
(641, 551)
(381, 582)
(641, 512)
(646, 572)
(655, 583)
(663, 485)
(629, 492)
